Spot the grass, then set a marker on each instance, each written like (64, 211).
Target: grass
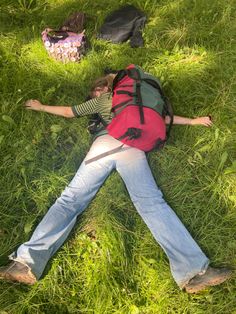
(111, 263)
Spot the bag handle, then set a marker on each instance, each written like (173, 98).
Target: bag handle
(74, 23)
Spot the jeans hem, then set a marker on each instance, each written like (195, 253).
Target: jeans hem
(19, 260)
(190, 275)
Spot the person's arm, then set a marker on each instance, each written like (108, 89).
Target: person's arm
(64, 111)
(86, 108)
(206, 121)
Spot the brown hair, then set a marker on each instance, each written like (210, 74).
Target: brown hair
(104, 81)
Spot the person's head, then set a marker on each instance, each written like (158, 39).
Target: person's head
(102, 85)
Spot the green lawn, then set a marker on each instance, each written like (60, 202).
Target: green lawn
(111, 263)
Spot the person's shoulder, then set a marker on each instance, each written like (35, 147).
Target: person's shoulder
(105, 102)
(105, 98)
(107, 95)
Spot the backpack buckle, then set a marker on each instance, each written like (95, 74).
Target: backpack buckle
(131, 133)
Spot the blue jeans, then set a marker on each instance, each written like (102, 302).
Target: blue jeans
(185, 257)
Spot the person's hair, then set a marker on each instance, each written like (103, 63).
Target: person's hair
(104, 81)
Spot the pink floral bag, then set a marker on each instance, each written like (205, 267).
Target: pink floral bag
(69, 42)
(64, 45)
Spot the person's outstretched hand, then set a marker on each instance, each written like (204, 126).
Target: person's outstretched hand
(33, 104)
(206, 121)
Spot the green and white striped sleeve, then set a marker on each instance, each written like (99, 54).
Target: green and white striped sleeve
(101, 105)
(86, 108)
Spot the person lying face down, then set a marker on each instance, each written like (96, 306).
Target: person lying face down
(188, 264)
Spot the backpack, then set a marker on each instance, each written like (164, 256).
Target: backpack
(123, 24)
(69, 42)
(139, 108)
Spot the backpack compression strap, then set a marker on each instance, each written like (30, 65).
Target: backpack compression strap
(110, 152)
(135, 75)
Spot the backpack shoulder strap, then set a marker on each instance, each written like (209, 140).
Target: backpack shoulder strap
(119, 76)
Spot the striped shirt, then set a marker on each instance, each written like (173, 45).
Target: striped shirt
(101, 105)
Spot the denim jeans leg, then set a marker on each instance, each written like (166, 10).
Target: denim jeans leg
(56, 225)
(185, 256)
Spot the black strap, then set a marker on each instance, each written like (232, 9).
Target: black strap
(120, 75)
(140, 102)
(125, 92)
(104, 123)
(135, 75)
(169, 112)
(153, 84)
(55, 36)
(110, 152)
(159, 144)
(131, 133)
(120, 105)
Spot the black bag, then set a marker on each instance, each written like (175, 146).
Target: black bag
(123, 24)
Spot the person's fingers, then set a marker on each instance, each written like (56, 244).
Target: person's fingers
(28, 103)
(32, 104)
(207, 120)
(203, 121)
(208, 123)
